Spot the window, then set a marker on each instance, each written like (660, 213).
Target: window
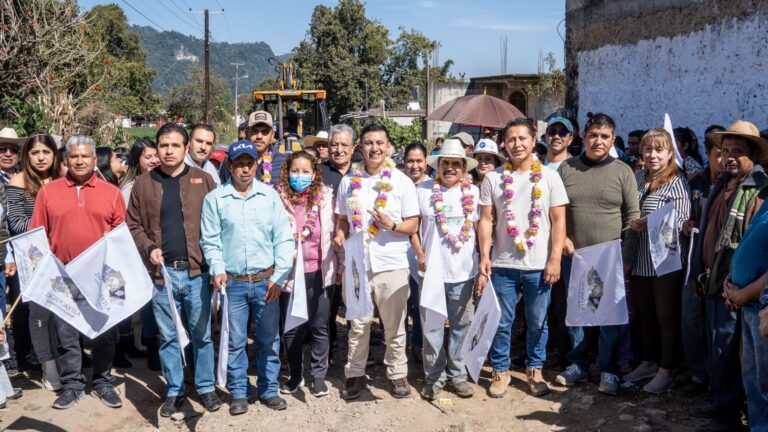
(517, 98)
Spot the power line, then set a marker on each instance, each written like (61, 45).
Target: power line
(139, 12)
(186, 12)
(181, 19)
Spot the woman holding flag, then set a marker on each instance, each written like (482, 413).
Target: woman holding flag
(309, 205)
(658, 295)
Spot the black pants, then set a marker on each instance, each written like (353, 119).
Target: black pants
(19, 339)
(659, 310)
(69, 360)
(318, 308)
(336, 301)
(559, 339)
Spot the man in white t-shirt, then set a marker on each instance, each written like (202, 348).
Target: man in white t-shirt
(529, 203)
(448, 206)
(377, 205)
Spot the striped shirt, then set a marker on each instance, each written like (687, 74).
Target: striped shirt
(20, 207)
(676, 191)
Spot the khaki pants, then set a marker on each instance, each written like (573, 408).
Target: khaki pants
(389, 292)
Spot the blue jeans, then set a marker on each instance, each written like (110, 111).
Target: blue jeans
(754, 364)
(439, 364)
(723, 338)
(413, 311)
(607, 351)
(193, 302)
(509, 284)
(247, 298)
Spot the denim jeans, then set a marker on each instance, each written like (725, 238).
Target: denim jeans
(416, 340)
(193, 303)
(723, 339)
(754, 364)
(607, 351)
(440, 364)
(247, 299)
(509, 285)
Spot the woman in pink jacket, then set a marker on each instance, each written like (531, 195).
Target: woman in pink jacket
(309, 204)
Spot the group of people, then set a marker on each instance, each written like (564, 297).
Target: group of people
(492, 212)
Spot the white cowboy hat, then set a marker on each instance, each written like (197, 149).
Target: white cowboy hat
(311, 140)
(451, 149)
(8, 136)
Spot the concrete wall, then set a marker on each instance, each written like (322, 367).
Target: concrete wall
(703, 61)
(440, 93)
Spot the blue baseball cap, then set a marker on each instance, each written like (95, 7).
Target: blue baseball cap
(563, 121)
(239, 148)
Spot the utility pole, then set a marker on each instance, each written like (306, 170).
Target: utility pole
(237, 81)
(205, 13)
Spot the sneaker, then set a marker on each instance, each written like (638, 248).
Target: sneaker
(659, 384)
(319, 388)
(609, 384)
(171, 405)
(499, 383)
(644, 371)
(400, 389)
(430, 392)
(67, 398)
(292, 385)
(571, 375)
(238, 406)
(353, 387)
(108, 396)
(463, 389)
(211, 401)
(536, 383)
(275, 402)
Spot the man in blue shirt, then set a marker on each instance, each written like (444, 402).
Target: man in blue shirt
(249, 248)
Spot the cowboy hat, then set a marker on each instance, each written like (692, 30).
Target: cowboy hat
(311, 140)
(451, 149)
(489, 146)
(749, 132)
(8, 136)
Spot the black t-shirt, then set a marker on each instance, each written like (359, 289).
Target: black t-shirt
(331, 176)
(171, 216)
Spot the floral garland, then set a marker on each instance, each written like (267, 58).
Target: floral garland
(384, 185)
(310, 219)
(266, 168)
(534, 217)
(468, 207)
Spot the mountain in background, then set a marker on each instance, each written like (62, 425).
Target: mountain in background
(171, 53)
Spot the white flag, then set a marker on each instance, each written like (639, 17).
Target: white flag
(221, 369)
(678, 157)
(297, 305)
(663, 240)
(181, 332)
(481, 332)
(357, 296)
(432, 286)
(28, 250)
(596, 295)
(111, 270)
(53, 288)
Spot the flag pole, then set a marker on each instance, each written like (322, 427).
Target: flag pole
(10, 311)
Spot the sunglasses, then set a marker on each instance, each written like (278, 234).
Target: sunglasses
(13, 150)
(562, 133)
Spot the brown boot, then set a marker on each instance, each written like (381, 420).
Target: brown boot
(499, 383)
(536, 382)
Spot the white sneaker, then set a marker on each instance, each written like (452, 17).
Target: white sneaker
(51, 380)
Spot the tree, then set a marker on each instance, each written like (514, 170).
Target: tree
(186, 101)
(403, 71)
(551, 85)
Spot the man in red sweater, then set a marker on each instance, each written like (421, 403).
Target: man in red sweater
(76, 211)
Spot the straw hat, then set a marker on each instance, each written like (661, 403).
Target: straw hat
(748, 131)
(311, 140)
(451, 149)
(8, 136)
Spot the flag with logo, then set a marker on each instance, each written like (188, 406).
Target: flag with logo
(29, 249)
(433, 287)
(357, 297)
(297, 305)
(479, 338)
(596, 295)
(663, 240)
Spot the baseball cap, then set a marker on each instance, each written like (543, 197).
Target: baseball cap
(563, 121)
(219, 155)
(465, 138)
(260, 117)
(239, 148)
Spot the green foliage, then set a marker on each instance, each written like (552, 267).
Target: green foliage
(551, 85)
(399, 136)
(403, 72)
(27, 117)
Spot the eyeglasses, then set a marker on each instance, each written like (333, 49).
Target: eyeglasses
(562, 133)
(12, 150)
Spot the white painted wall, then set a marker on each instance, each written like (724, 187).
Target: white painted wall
(716, 75)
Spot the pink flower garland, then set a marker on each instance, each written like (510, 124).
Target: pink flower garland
(534, 216)
(468, 207)
(353, 202)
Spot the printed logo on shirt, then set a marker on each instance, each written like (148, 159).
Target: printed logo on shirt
(196, 181)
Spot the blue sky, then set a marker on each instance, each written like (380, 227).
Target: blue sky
(469, 31)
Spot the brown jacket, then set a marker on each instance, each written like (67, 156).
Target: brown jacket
(143, 217)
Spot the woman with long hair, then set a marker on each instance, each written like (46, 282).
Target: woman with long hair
(658, 297)
(142, 159)
(119, 162)
(688, 145)
(39, 165)
(104, 156)
(309, 205)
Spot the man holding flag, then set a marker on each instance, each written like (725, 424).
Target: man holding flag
(164, 219)
(76, 211)
(249, 246)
